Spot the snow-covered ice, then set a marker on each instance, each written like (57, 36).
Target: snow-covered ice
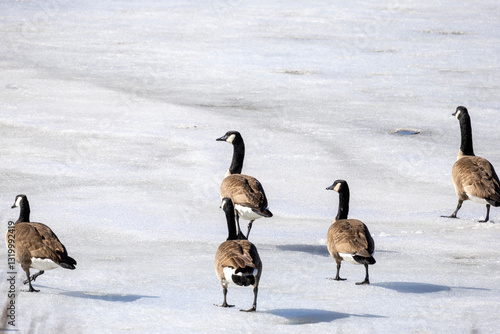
(109, 115)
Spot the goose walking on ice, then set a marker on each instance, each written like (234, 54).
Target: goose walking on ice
(349, 239)
(246, 192)
(237, 261)
(36, 245)
(474, 178)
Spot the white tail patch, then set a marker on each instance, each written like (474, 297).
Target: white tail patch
(348, 258)
(476, 199)
(229, 272)
(43, 264)
(246, 212)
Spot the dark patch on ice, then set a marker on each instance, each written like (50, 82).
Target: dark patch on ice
(407, 132)
(296, 72)
(445, 32)
(311, 249)
(229, 105)
(110, 297)
(384, 50)
(412, 287)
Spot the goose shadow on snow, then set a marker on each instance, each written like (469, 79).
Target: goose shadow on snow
(302, 316)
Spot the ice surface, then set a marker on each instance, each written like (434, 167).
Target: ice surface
(109, 115)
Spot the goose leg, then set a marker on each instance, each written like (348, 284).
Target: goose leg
(33, 278)
(254, 306)
(337, 277)
(249, 228)
(241, 236)
(487, 214)
(31, 289)
(367, 279)
(224, 304)
(454, 214)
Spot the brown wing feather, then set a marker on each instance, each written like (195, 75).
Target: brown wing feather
(37, 240)
(477, 177)
(237, 254)
(244, 190)
(349, 236)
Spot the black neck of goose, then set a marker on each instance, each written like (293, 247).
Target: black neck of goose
(24, 213)
(231, 225)
(343, 204)
(466, 132)
(238, 156)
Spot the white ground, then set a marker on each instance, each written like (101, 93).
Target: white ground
(109, 115)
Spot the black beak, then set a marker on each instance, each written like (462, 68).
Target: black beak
(330, 187)
(454, 114)
(223, 138)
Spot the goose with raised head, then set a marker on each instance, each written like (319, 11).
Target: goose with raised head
(36, 245)
(474, 178)
(237, 261)
(246, 192)
(349, 239)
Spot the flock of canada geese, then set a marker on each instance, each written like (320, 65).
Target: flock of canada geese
(237, 260)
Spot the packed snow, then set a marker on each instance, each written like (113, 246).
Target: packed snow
(109, 115)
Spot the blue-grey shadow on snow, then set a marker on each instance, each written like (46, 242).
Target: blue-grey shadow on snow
(307, 316)
(9, 330)
(110, 297)
(302, 316)
(413, 287)
(311, 249)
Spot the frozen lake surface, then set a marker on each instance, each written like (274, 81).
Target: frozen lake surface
(109, 115)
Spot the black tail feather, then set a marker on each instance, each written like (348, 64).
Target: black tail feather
(267, 213)
(243, 280)
(364, 260)
(68, 262)
(245, 270)
(264, 213)
(495, 203)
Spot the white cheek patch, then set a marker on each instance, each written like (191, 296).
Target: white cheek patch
(43, 264)
(457, 113)
(224, 203)
(337, 187)
(230, 138)
(18, 201)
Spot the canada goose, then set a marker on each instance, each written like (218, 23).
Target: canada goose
(36, 246)
(349, 239)
(245, 191)
(474, 178)
(237, 261)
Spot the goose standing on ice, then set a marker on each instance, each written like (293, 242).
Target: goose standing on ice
(474, 178)
(237, 261)
(349, 239)
(246, 192)
(36, 246)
